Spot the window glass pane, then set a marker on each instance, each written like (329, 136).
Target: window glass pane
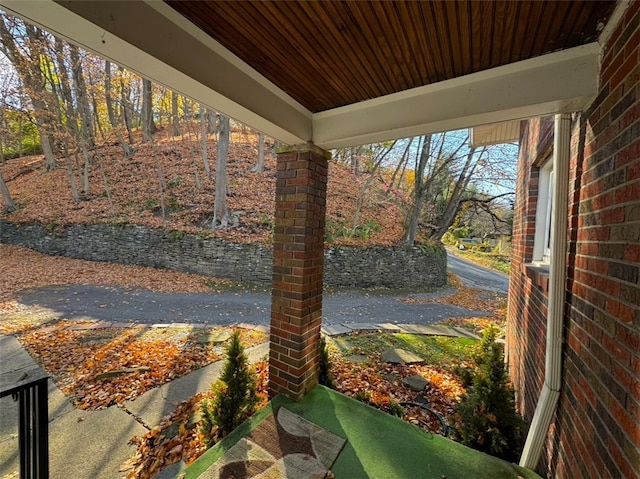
(547, 230)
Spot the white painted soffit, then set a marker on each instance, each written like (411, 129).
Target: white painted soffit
(156, 42)
(495, 133)
(153, 40)
(560, 82)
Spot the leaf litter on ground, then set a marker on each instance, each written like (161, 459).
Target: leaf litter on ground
(76, 356)
(133, 194)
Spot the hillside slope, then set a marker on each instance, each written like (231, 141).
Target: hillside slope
(129, 191)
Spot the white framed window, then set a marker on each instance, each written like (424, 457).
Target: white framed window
(544, 227)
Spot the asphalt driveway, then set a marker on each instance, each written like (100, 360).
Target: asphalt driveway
(115, 304)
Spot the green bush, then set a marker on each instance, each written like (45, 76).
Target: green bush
(335, 229)
(174, 204)
(486, 417)
(235, 395)
(395, 408)
(325, 377)
(449, 238)
(151, 203)
(176, 235)
(174, 182)
(365, 230)
(363, 396)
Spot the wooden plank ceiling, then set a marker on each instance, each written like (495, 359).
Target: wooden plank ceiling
(327, 54)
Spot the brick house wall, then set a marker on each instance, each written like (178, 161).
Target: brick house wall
(596, 428)
(528, 287)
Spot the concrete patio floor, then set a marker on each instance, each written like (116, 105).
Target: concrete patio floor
(379, 446)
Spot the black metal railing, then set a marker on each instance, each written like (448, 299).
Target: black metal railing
(33, 431)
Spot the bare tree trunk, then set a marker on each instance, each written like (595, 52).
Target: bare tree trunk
(192, 154)
(40, 98)
(96, 118)
(71, 123)
(128, 149)
(72, 178)
(175, 117)
(367, 184)
(86, 121)
(126, 106)
(212, 121)
(47, 150)
(106, 186)
(220, 208)
(148, 125)
(355, 160)
(259, 167)
(85, 170)
(455, 200)
(161, 183)
(78, 130)
(399, 167)
(9, 204)
(203, 134)
(32, 79)
(418, 194)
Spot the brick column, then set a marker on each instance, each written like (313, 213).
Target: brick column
(298, 258)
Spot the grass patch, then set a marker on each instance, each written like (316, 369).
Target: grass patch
(437, 350)
(493, 261)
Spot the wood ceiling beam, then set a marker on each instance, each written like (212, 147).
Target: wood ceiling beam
(558, 82)
(156, 42)
(150, 38)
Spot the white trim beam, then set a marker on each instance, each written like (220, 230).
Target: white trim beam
(559, 82)
(156, 42)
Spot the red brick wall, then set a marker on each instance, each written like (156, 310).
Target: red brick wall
(596, 429)
(528, 287)
(298, 257)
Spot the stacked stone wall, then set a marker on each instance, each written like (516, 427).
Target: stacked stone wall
(409, 268)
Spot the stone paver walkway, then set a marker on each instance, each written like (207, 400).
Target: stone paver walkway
(425, 329)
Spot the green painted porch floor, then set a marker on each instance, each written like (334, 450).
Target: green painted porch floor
(379, 446)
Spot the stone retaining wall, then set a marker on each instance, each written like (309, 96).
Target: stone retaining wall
(130, 244)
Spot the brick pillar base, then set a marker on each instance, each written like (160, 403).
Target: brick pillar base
(298, 258)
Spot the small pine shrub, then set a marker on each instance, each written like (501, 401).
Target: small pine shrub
(395, 408)
(325, 377)
(486, 417)
(235, 395)
(363, 396)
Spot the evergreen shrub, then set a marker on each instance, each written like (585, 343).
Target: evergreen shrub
(486, 417)
(235, 394)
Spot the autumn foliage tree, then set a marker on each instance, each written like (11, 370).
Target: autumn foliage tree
(23, 45)
(434, 178)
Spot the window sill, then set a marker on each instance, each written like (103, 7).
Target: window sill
(538, 273)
